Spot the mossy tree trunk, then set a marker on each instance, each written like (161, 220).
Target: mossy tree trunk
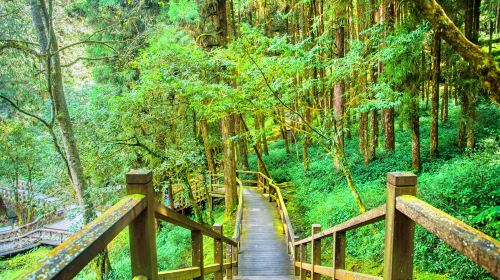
(482, 63)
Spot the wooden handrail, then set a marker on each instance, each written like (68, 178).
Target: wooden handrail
(66, 260)
(239, 213)
(400, 212)
(138, 211)
(164, 213)
(475, 245)
(370, 217)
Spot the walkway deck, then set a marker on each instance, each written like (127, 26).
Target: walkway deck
(263, 252)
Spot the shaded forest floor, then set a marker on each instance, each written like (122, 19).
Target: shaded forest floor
(463, 184)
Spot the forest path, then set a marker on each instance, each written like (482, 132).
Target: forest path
(263, 250)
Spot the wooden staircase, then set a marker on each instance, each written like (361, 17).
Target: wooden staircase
(264, 245)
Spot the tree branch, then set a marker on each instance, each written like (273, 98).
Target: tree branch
(19, 45)
(482, 63)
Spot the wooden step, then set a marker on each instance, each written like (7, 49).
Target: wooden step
(266, 277)
(249, 181)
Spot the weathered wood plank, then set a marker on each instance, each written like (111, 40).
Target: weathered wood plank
(166, 214)
(66, 260)
(218, 252)
(370, 217)
(475, 245)
(315, 251)
(180, 274)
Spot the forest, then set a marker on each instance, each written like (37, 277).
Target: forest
(313, 101)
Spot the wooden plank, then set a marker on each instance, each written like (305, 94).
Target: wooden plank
(339, 251)
(370, 217)
(324, 270)
(180, 274)
(211, 268)
(303, 260)
(229, 257)
(399, 229)
(341, 274)
(142, 231)
(197, 252)
(315, 251)
(66, 260)
(234, 260)
(218, 252)
(475, 245)
(166, 214)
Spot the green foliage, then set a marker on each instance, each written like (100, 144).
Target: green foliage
(463, 185)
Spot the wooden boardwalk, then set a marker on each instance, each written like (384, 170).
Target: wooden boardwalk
(263, 251)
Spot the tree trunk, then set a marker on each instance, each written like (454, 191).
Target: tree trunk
(436, 71)
(414, 125)
(209, 153)
(263, 133)
(231, 196)
(305, 140)
(338, 93)
(464, 105)
(44, 28)
(242, 144)
(363, 136)
(188, 192)
(444, 102)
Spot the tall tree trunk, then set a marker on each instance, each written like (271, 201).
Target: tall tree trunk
(44, 30)
(42, 20)
(209, 153)
(436, 71)
(188, 192)
(339, 90)
(444, 102)
(242, 144)
(262, 122)
(231, 197)
(389, 144)
(414, 125)
(306, 140)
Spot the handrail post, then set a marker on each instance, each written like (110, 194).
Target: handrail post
(218, 252)
(197, 252)
(303, 259)
(339, 245)
(229, 259)
(296, 254)
(235, 257)
(315, 251)
(142, 230)
(271, 191)
(399, 229)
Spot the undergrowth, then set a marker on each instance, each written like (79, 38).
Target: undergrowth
(463, 184)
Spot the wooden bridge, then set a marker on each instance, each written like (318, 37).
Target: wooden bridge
(264, 245)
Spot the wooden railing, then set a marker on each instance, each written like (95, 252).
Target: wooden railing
(28, 240)
(138, 210)
(401, 211)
